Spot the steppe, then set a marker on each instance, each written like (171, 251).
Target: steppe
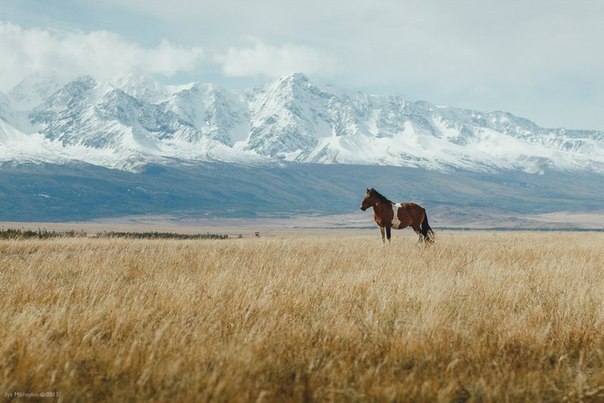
(324, 316)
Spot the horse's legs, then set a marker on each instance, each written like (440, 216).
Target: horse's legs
(417, 230)
(382, 232)
(388, 233)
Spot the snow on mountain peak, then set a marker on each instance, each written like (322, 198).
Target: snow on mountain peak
(32, 90)
(142, 87)
(132, 120)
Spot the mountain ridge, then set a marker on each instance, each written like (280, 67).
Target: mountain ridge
(134, 121)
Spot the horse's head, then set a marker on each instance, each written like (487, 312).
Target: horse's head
(368, 201)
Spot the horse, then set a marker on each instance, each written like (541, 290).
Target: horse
(388, 214)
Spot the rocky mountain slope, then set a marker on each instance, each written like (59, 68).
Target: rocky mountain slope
(133, 121)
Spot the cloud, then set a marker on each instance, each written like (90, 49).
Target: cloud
(269, 60)
(540, 59)
(101, 54)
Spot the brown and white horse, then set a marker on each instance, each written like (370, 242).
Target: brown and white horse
(388, 214)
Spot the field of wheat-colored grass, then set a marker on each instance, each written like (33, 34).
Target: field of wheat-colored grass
(476, 317)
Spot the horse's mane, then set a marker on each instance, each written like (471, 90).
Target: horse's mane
(380, 196)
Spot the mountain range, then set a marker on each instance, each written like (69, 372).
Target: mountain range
(132, 121)
(88, 148)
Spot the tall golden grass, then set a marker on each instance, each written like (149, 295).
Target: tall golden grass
(476, 317)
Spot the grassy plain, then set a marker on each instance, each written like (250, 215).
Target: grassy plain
(476, 317)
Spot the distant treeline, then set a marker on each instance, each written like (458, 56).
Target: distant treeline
(159, 235)
(39, 234)
(45, 234)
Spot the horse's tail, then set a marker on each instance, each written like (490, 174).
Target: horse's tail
(426, 230)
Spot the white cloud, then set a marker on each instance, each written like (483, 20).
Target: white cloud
(101, 54)
(271, 61)
(540, 59)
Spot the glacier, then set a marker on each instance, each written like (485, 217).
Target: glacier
(132, 121)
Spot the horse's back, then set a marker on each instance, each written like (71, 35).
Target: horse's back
(411, 206)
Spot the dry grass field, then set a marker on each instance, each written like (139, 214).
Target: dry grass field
(477, 317)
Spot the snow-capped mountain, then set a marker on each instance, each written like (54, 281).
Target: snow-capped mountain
(33, 90)
(132, 121)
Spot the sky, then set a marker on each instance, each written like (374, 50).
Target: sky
(539, 59)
